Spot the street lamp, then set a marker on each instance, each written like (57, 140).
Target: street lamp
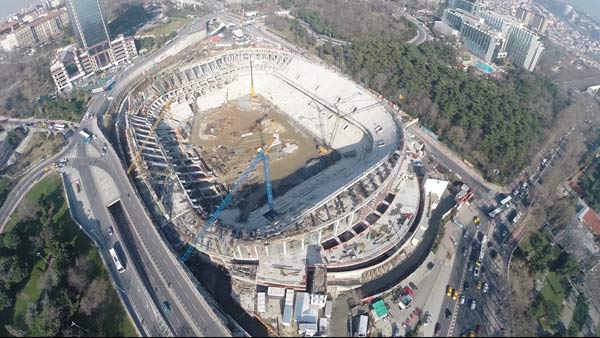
(77, 326)
(42, 257)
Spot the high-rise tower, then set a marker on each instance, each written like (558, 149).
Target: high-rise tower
(89, 26)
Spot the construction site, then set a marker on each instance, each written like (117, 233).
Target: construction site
(273, 165)
(229, 136)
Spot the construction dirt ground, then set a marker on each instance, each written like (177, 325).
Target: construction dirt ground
(228, 138)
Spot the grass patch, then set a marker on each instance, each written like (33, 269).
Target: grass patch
(553, 290)
(525, 245)
(46, 187)
(169, 27)
(30, 294)
(5, 187)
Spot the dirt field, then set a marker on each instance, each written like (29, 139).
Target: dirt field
(228, 138)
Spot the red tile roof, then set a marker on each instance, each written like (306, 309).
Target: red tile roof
(592, 220)
(50, 16)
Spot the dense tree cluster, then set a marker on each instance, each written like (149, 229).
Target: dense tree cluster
(353, 20)
(495, 123)
(73, 287)
(292, 30)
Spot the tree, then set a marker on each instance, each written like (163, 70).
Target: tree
(77, 276)
(93, 297)
(565, 264)
(5, 300)
(11, 240)
(561, 212)
(50, 318)
(14, 331)
(11, 271)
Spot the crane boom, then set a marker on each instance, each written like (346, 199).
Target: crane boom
(262, 155)
(222, 205)
(268, 181)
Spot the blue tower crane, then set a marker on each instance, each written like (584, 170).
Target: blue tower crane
(262, 155)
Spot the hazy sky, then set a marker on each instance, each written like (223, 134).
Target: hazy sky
(590, 7)
(8, 7)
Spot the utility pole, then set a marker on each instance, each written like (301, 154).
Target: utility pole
(252, 93)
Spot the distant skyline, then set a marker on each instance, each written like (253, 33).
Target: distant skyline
(589, 7)
(8, 7)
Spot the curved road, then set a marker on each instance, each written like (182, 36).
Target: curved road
(28, 180)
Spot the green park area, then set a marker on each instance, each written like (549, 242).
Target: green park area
(172, 24)
(51, 275)
(554, 268)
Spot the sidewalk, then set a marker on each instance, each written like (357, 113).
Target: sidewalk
(438, 293)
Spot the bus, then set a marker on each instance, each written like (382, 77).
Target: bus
(85, 135)
(115, 258)
(59, 126)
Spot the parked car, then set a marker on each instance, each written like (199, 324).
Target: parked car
(110, 231)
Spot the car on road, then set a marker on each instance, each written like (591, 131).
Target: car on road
(110, 231)
(471, 334)
(449, 291)
(166, 307)
(465, 251)
(455, 295)
(486, 287)
(479, 285)
(437, 329)
(478, 330)
(476, 220)
(476, 271)
(466, 286)
(448, 314)
(465, 234)
(473, 305)
(462, 299)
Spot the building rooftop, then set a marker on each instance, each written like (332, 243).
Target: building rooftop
(47, 17)
(380, 309)
(591, 219)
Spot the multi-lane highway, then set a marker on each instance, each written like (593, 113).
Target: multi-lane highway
(156, 268)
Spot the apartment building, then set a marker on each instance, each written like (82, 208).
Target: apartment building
(490, 36)
(25, 34)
